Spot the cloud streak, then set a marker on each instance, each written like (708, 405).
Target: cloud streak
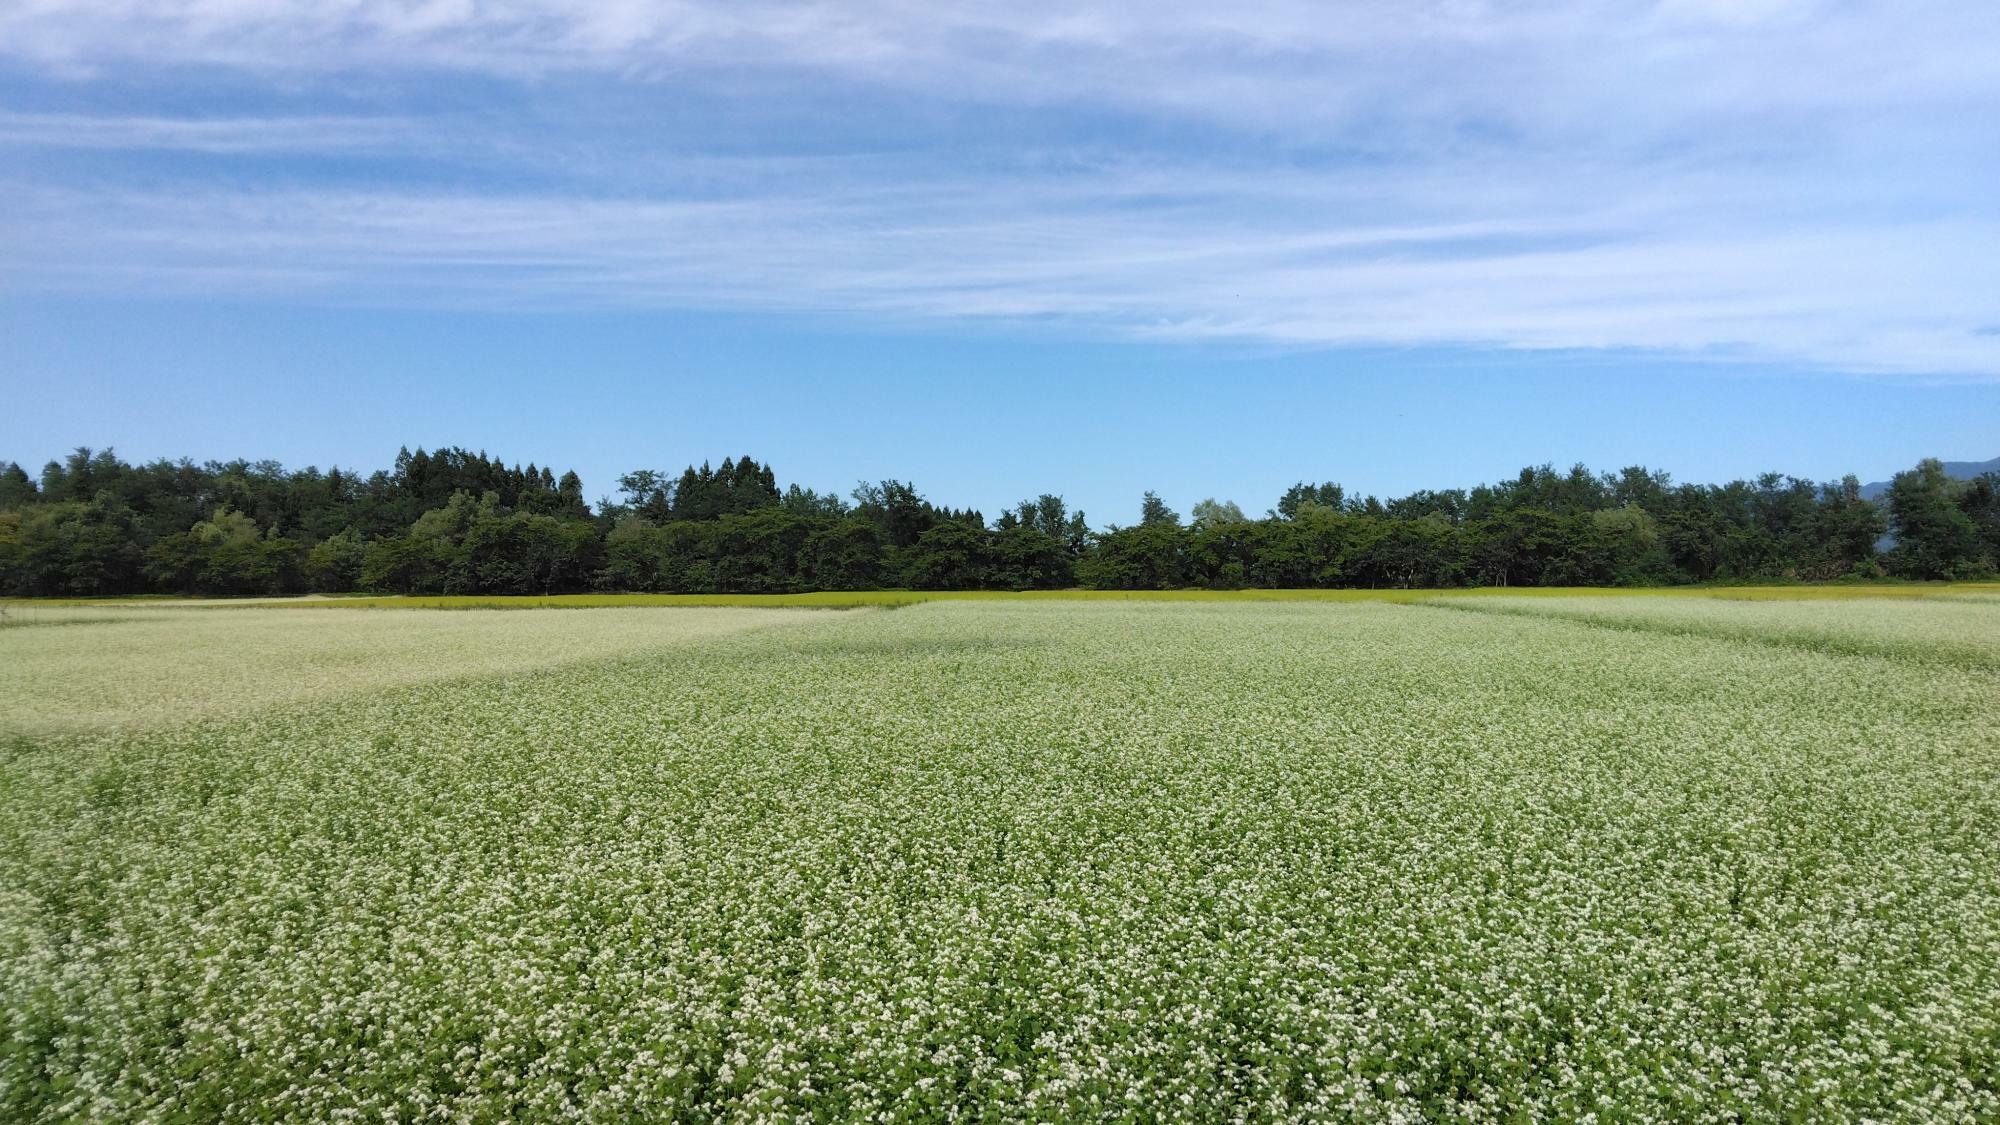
(212, 135)
(1192, 267)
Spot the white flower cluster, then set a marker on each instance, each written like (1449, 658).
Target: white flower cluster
(1942, 628)
(1029, 862)
(78, 667)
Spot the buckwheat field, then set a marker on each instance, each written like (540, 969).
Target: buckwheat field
(1493, 859)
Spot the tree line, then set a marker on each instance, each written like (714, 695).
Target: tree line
(453, 521)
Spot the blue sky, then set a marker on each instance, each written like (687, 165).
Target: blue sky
(1001, 249)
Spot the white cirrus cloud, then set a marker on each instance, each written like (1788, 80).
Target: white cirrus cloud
(331, 133)
(1804, 181)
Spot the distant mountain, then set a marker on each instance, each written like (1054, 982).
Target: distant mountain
(1962, 470)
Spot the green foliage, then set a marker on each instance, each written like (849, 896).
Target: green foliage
(844, 554)
(1327, 494)
(335, 563)
(84, 547)
(17, 488)
(95, 525)
(1150, 556)
(474, 546)
(1937, 524)
(459, 523)
(1153, 511)
(740, 485)
(1213, 513)
(226, 554)
(399, 564)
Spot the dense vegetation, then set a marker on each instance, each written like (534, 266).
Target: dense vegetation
(456, 522)
(1485, 859)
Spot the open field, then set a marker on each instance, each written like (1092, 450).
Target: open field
(1483, 857)
(77, 668)
(1938, 629)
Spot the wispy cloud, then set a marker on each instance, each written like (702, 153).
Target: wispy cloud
(1763, 179)
(228, 135)
(1501, 57)
(1191, 267)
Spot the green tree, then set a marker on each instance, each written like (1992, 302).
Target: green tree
(1846, 527)
(846, 554)
(1153, 511)
(333, 565)
(1980, 501)
(1326, 495)
(1217, 513)
(1935, 537)
(952, 555)
(74, 547)
(1146, 557)
(1024, 558)
(17, 488)
(400, 564)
